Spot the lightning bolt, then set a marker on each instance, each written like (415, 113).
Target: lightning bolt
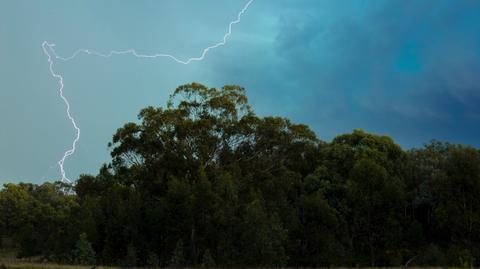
(49, 50)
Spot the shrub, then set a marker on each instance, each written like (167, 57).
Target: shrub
(83, 252)
(178, 255)
(153, 260)
(207, 260)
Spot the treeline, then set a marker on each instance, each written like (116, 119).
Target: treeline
(205, 181)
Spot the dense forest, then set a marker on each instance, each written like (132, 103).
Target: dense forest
(206, 182)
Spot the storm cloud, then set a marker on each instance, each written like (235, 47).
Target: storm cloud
(404, 68)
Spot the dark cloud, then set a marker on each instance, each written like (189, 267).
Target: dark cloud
(405, 68)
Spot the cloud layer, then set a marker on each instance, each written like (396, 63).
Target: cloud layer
(404, 68)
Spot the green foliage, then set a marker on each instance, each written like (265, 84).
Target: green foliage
(431, 256)
(153, 260)
(130, 260)
(207, 260)
(204, 181)
(178, 256)
(83, 252)
(377, 204)
(263, 237)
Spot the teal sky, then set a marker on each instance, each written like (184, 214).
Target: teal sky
(408, 69)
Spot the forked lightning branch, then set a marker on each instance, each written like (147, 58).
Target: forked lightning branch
(49, 50)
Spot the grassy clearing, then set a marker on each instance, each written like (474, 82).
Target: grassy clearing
(19, 264)
(8, 259)
(33, 265)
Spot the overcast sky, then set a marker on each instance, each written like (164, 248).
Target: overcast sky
(408, 69)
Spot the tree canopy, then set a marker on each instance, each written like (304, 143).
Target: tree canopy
(206, 182)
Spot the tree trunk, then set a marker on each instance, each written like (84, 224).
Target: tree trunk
(194, 248)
